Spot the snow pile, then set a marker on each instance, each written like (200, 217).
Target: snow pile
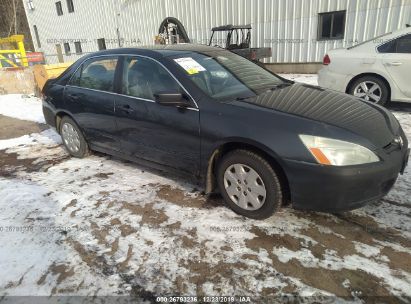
(25, 107)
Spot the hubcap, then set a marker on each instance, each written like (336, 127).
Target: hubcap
(245, 187)
(70, 137)
(369, 91)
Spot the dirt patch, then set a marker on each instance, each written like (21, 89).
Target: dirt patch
(126, 230)
(202, 272)
(123, 265)
(99, 233)
(180, 198)
(263, 240)
(72, 203)
(149, 214)
(359, 282)
(62, 272)
(13, 128)
(11, 164)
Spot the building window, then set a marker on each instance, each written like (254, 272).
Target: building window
(59, 8)
(77, 46)
(67, 49)
(101, 44)
(331, 25)
(36, 33)
(70, 6)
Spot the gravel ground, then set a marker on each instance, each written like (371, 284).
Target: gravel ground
(102, 226)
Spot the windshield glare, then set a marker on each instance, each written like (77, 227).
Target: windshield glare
(226, 76)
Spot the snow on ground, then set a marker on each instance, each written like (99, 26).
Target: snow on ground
(21, 106)
(102, 226)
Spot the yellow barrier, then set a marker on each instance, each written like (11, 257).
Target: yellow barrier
(19, 41)
(42, 73)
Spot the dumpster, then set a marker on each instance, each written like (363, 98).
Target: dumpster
(42, 73)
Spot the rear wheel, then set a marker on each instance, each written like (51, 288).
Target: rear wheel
(370, 88)
(249, 184)
(72, 137)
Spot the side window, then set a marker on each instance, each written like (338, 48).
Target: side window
(143, 78)
(404, 44)
(388, 47)
(399, 45)
(97, 74)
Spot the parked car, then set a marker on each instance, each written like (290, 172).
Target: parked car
(234, 126)
(377, 70)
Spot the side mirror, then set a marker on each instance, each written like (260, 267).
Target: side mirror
(175, 99)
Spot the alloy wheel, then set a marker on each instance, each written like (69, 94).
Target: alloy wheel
(368, 90)
(245, 187)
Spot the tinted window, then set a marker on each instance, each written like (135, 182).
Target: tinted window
(144, 77)
(97, 74)
(399, 45)
(226, 75)
(331, 25)
(404, 44)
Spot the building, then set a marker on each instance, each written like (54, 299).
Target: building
(299, 31)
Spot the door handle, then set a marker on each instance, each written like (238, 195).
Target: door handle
(395, 63)
(73, 97)
(127, 108)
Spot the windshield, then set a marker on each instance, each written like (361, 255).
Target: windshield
(225, 75)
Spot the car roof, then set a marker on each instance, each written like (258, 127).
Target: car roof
(159, 51)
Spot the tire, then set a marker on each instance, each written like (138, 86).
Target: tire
(73, 138)
(380, 89)
(237, 163)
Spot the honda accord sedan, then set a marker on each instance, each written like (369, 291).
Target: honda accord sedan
(238, 129)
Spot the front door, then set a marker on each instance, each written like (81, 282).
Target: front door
(167, 135)
(90, 99)
(398, 63)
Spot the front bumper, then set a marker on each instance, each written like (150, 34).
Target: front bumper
(332, 189)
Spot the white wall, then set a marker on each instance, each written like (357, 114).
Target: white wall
(289, 27)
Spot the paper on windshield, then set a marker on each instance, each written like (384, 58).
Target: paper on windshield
(190, 65)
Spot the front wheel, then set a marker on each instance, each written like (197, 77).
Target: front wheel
(371, 89)
(72, 137)
(249, 185)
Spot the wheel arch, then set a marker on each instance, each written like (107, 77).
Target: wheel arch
(59, 116)
(379, 76)
(243, 144)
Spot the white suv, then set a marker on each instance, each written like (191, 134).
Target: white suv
(378, 70)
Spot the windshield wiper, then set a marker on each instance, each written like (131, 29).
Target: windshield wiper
(280, 86)
(243, 98)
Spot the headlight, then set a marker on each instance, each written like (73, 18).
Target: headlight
(335, 152)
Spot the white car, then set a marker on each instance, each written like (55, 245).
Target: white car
(378, 70)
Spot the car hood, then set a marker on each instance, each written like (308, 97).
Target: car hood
(368, 120)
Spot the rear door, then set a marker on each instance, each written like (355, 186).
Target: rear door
(166, 135)
(90, 97)
(397, 62)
